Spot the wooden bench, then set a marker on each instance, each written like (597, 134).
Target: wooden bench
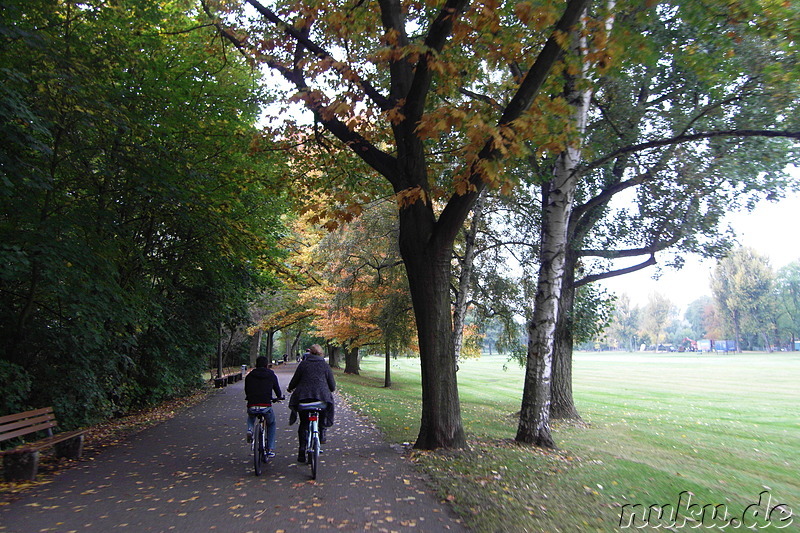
(226, 379)
(22, 462)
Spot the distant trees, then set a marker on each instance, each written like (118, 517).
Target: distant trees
(787, 284)
(751, 304)
(624, 326)
(656, 317)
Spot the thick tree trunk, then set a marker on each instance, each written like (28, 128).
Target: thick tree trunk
(351, 365)
(562, 404)
(335, 356)
(255, 347)
(387, 375)
(427, 261)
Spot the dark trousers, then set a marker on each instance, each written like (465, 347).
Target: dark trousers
(325, 421)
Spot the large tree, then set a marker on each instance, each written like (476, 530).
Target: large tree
(680, 139)
(395, 85)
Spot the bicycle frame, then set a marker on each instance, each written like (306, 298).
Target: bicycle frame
(313, 449)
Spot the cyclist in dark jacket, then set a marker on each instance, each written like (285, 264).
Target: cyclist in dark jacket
(312, 381)
(259, 385)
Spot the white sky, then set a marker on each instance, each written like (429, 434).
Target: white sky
(771, 229)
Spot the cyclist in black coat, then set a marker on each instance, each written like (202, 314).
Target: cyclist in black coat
(312, 381)
(259, 385)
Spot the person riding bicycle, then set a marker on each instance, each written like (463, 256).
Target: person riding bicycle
(259, 385)
(312, 381)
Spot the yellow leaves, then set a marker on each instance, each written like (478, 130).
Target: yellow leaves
(462, 185)
(395, 116)
(390, 38)
(337, 108)
(537, 17)
(562, 38)
(440, 121)
(411, 196)
(312, 99)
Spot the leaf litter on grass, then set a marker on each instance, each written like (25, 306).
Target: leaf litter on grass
(500, 485)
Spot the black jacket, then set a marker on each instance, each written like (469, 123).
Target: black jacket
(259, 386)
(313, 379)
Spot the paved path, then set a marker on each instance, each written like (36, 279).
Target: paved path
(194, 474)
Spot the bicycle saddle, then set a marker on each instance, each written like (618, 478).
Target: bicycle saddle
(312, 406)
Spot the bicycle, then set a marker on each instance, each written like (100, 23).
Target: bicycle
(259, 444)
(313, 448)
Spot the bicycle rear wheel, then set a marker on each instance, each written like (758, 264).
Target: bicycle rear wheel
(258, 447)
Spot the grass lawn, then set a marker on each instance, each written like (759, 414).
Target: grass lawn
(663, 430)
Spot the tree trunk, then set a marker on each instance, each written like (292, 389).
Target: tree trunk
(387, 375)
(427, 258)
(351, 365)
(335, 356)
(534, 422)
(295, 345)
(255, 347)
(270, 343)
(562, 403)
(767, 343)
(287, 343)
(219, 350)
(549, 326)
(557, 202)
(464, 279)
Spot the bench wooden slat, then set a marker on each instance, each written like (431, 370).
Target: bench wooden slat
(26, 414)
(28, 429)
(32, 421)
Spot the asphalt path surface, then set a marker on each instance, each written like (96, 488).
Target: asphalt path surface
(194, 473)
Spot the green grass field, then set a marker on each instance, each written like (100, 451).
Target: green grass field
(715, 430)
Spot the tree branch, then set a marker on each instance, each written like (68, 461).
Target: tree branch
(688, 138)
(381, 101)
(439, 32)
(614, 273)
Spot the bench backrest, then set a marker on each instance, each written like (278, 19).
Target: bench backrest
(20, 424)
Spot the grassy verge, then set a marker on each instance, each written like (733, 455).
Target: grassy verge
(720, 430)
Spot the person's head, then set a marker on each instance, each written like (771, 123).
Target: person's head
(316, 349)
(262, 361)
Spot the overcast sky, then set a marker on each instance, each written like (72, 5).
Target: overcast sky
(772, 229)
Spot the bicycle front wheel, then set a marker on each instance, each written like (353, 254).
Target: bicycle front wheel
(258, 447)
(313, 455)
